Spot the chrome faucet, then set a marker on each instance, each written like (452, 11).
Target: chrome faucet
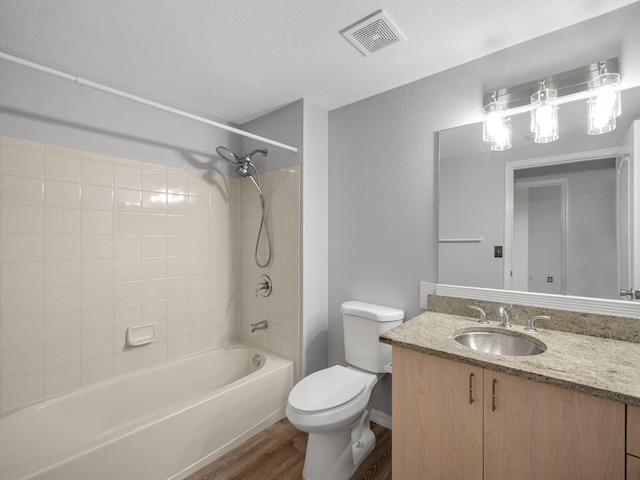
(483, 316)
(503, 315)
(259, 326)
(531, 327)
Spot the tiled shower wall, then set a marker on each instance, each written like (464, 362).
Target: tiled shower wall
(92, 244)
(281, 308)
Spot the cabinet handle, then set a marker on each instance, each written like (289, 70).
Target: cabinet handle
(471, 399)
(493, 395)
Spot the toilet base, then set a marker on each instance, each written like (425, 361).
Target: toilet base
(337, 455)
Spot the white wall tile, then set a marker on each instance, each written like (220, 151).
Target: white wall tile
(127, 246)
(97, 271)
(127, 361)
(127, 173)
(21, 276)
(97, 222)
(127, 316)
(22, 158)
(97, 169)
(178, 225)
(154, 246)
(62, 353)
(126, 293)
(106, 253)
(22, 191)
(97, 197)
(155, 311)
(63, 379)
(97, 369)
(62, 327)
(62, 247)
(62, 300)
(154, 224)
(154, 177)
(178, 181)
(21, 248)
(97, 345)
(22, 333)
(96, 247)
(177, 204)
(22, 390)
(154, 202)
(127, 269)
(62, 274)
(154, 267)
(65, 221)
(62, 164)
(153, 290)
(97, 321)
(97, 296)
(127, 223)
(21, 361)
(61, 194)
(21, 304)
(127, 200)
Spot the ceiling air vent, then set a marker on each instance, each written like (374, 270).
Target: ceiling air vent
(373, 33)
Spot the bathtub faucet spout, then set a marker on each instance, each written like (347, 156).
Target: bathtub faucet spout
(259, 326)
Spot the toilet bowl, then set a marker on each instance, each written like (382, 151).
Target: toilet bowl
(333, 405)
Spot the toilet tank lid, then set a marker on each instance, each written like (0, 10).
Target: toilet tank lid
(371, 311)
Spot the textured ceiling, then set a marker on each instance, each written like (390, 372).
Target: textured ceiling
(238, 59)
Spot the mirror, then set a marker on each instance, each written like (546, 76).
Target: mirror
(493, 207)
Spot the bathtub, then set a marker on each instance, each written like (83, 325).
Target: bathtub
(158, 423)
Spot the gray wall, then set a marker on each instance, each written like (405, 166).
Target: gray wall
(382, 164)
(40, 107)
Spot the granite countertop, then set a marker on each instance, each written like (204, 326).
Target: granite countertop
(597, 366)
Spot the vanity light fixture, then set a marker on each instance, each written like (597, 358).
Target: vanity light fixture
(544, 114)
(598, 83)
(604, 101)
(496, 127)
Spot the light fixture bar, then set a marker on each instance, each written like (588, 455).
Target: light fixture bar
(569, 83)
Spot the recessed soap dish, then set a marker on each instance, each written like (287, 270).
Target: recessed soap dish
(142, 334)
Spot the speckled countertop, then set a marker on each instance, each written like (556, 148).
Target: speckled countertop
(597, 366)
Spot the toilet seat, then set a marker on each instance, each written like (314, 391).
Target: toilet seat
(326, 389)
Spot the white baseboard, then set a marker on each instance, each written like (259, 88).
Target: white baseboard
(381, 418)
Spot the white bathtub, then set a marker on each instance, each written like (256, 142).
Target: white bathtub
(159, 423)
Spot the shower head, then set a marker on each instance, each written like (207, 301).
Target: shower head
(264, 153)
(228, 155)
(232, 158)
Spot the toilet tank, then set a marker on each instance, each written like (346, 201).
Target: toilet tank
(363, 324)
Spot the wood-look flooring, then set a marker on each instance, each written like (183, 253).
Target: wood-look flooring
(277, 453)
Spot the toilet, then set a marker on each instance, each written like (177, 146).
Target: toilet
(333, 405)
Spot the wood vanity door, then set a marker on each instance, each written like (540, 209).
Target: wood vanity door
(535, 430)
(437, 420)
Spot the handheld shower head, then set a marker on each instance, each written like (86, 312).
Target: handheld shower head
(228, 155)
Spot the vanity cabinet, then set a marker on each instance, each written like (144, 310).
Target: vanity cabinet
(456, 421)
(633, 443)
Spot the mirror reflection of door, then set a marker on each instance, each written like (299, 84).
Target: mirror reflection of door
(623, 207)
(539, 235)
(570, 249)
(628, 214)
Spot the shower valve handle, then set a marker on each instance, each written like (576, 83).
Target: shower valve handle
(264, 286)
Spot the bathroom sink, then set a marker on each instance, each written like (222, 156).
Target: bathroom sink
(500, 342)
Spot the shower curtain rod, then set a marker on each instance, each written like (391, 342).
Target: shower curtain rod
(144, 101)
